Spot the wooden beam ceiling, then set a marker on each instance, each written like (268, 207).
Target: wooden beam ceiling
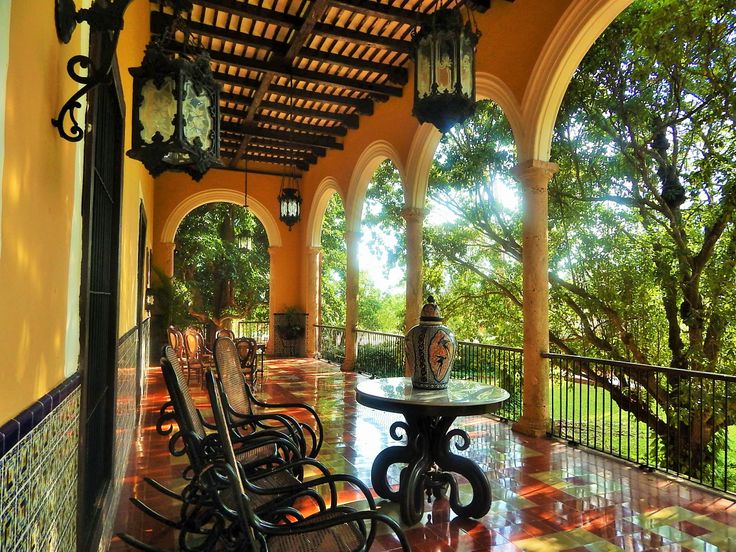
(297, 75)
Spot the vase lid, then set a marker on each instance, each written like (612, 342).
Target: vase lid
(430, 311)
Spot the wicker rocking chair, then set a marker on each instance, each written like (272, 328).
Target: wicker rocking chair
(240, 402)
(336, 529)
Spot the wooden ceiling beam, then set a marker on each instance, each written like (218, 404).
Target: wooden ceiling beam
(161, 21)
(286, 123)
(374, 41)
(313, 14)
(251, 11)
(398, 75)
(278, 65)
(361, 106)
(302, 139)
(348, 120)
(306, 149)
(382, 11)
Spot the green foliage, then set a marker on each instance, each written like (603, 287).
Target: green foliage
(334, 263)
(642, 239)
(222, 264)
(378, 310)
(379, 361)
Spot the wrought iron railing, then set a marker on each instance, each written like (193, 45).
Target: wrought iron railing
(380, 354)
(495, 365)
(331, 343)
(255, 329)
(665, 419)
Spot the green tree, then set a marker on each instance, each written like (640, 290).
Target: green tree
(642, 238)
(334, 264)
(221, 268)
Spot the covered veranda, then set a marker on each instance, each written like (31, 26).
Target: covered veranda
(546, 495)
(76, 379)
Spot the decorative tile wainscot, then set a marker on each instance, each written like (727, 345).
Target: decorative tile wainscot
(38, 473)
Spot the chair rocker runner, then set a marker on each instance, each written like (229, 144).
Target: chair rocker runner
(240, 402)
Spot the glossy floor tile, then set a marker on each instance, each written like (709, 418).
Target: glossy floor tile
(546, 495)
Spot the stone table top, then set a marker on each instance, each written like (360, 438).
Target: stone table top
(460, 398)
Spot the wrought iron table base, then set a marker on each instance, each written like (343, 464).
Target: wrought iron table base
(430, 465)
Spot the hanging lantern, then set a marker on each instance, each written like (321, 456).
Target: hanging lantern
(290, 202)
(444, 70)
(176, 112)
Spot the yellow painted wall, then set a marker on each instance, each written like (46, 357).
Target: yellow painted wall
(39, 181)
(137, 182)
(41, 193)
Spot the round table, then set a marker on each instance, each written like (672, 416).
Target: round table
(429, 461)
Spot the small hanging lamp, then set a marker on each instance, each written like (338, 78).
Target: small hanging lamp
(290, 200)
(176, 111)
(444, 69)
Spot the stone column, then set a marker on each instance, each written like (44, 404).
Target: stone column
(414, 258)
(167, 262)
(313, 276)
(272, 253)
(534, 177)
(352, 240)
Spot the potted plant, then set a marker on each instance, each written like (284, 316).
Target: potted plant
(290, 323)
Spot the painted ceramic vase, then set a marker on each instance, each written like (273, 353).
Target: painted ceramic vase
(430, 349)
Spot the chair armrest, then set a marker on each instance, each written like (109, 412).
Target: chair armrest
(326, 479)
(316, 436)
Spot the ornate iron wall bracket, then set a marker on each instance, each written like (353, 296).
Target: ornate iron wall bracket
(101, 18)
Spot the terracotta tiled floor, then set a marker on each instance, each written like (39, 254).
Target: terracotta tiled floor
(546, 496)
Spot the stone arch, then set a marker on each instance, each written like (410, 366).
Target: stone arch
(425, 141)
(322, 196)
(365, 166)
(578, 28)
(214, 195)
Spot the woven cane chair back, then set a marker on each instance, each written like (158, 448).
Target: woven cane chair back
(227, 362)
(245, 512)
(180, 395)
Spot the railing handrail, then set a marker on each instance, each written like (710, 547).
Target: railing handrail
(635, 365)
(329, 327)
(386, 334)
(491, 346)
(264, 321)
(473, 343)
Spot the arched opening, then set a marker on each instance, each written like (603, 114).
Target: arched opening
(640, 247)
(382, 241)
(221, 272)
(332, 269)
(472, 231)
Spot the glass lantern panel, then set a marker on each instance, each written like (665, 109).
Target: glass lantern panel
(424, 68)
(158, 110)
(197, 116)
(466, 65)
(445, 67)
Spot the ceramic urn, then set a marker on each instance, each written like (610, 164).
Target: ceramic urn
(430, 349)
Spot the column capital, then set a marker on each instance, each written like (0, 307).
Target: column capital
(534, 173)
(169, 245)
(314, 250)
(414, 214)
(272, 249)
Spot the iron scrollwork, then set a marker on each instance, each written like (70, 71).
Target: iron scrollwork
(430, 465)
(107, 19)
